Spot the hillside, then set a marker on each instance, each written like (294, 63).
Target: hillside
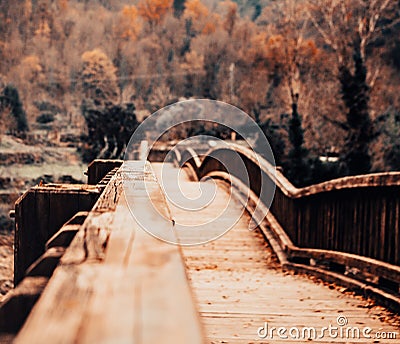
(336, 62)
(24, 166)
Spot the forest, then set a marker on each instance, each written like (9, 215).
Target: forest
(320, 77)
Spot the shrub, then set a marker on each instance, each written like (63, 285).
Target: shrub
(45, 118)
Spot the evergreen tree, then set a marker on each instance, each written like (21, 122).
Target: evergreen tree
(355, 94)
(298, 170)
(257, 9)
(179, 6)
(10, 98)
(274, 139)
(389, 126)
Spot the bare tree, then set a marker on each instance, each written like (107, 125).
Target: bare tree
(350, 29)
(347, 25)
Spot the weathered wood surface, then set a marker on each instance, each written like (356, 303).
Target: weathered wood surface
(116, 283)
(239, 287)
(357, 215)
(17, 304)
(99, 168)
(40, 213)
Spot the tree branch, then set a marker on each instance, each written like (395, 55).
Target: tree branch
(324, 35)
(374, 77)
(337, 123)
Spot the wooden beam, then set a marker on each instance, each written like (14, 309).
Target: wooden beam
(116, 282)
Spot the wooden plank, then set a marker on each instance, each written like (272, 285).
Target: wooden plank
(18, 302)
(90, 242)
(40, 213)
(122, 286)
(98, 169)
(295, 209)
(46, 263)
(63, 237)
(236, 296)
(68, 231)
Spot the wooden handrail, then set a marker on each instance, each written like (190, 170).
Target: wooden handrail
(349, 226)
(113, 267)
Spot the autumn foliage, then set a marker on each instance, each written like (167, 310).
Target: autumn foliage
(129, 26)
(266, 57)
(154, 10)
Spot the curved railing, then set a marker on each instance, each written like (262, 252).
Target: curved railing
(348, 226)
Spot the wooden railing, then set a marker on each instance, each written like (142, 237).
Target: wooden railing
(349, 226)
(98, 277)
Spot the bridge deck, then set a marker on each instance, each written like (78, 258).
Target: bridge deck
(239, 286)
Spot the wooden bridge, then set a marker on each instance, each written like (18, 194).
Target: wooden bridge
(87, 271)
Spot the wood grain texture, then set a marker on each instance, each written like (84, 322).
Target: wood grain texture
(40, 213)
(123, 286)
(356, 214)
(239, 286)
(18, 302)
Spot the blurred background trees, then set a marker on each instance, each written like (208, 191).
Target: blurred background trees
(110, 123)
(13, 115)
(325, 69)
